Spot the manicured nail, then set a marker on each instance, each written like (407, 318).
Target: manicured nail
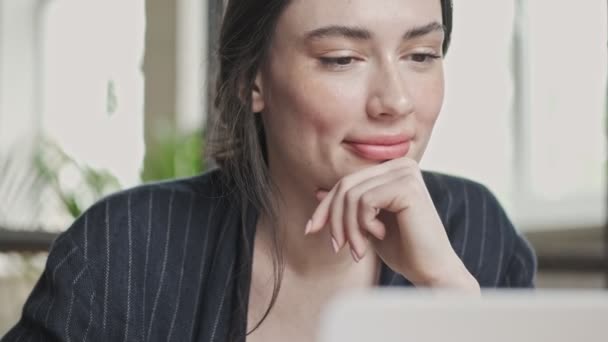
(334, 243)
(308, 227)
(355, 256)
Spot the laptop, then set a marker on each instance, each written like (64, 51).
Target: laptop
(424, 316)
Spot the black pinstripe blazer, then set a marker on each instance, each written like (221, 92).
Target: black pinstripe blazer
(171, 262)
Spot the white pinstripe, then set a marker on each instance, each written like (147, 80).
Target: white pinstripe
(500, 255)
(86, 332)
(525, 273)
(181, 274)
(35, 312)
(86, 228)
(221, 307)
(393, 279)
(448, 206)
(143, 313)
(202, 268)
(107, 270)
(163, 269)
(483, 233)
(65, 258)
(129, 233)
(67, 324)
(465, 238)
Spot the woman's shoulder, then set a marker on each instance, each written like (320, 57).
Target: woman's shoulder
(152, 218)
(142, 250)
(464, 204)
(209, 186)
(148, 198)
(480, 231)
(450, 192)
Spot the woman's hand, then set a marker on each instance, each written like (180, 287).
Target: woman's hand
(391, 203)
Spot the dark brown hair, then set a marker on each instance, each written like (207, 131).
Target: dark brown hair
(236, 141)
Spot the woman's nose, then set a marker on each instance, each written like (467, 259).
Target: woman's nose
(389, 97)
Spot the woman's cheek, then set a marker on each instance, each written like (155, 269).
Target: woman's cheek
(429, 100)
(429, 103)
(328, 111)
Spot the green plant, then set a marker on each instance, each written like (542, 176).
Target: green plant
(174, 156)
(81, 186)
(24, 178)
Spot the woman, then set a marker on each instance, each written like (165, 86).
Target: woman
(325, 109)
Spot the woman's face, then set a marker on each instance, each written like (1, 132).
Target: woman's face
(348, 84)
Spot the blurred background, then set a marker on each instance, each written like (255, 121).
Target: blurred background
(96, 96)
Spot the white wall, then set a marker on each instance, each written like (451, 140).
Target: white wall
(19, 73)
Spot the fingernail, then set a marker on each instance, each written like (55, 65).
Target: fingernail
(334, 243)
(308, 227)
(355, 256)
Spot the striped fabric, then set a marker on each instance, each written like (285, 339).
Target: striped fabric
(171, 261)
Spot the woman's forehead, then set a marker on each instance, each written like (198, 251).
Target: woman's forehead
(303, 16)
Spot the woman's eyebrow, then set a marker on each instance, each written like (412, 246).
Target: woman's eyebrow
(419, 31)
(350, 32)
(358, 33)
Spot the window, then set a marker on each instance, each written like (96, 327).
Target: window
(19, 74)
(19, 108)
(525, 110)
(91, 96)
(92, 82)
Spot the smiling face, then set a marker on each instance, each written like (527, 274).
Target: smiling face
(348, 84)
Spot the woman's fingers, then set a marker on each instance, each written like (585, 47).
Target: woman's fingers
(348, 210)
(356, 238)
(336, 224)
(374, 226)
(359, 215)
(321, 215)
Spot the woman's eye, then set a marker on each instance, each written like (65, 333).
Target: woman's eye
(424, 57)
(337, 61)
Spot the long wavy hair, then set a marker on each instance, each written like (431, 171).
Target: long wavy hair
(236, 141)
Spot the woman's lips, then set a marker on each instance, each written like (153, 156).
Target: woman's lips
(378, 150)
